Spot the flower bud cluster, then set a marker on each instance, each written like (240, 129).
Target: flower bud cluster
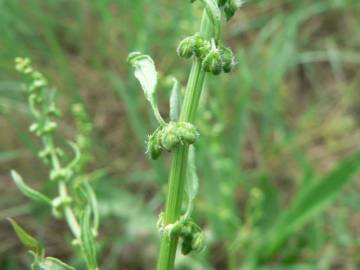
(192, 237)
(41, 104)
(170, 136)
(214, 58)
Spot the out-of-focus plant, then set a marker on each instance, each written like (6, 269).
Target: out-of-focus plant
(76, 201)
(209, 55)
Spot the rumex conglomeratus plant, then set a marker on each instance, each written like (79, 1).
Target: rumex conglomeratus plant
(209, 55)
(76, 201)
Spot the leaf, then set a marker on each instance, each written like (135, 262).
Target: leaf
(93, 204)
(50, 263)
(28, 191)
(87, 240)
(214, 13)
(175, 101)
(310, 202)
(26, 239)
(192, 181)
(145, 73)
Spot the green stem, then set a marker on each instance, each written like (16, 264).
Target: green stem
(68, 212)
(177, 177)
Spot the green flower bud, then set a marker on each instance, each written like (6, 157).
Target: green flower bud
(52, 111)
(23, 65)
(34, 127)
(36, 99)
(186, 246)
(186, 47)
(198, 241)
(37, 84)
(213, 62)
(45, 154)
(153, 146)
(50, 127)
(202, 47)
(186, 230)
(228, 61)
(169, 137)
(231, 7)
(187, 132)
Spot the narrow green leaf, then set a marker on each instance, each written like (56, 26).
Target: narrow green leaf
(214, 14)
(28, 191)
(87, 240)
(310, 202)
(50, 263)
(93, 203)
(175, 101)
(192, 181)
(26, 239)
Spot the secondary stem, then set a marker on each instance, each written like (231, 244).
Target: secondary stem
(177, 177)
(68, 212)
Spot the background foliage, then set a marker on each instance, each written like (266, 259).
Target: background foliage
(280, 135)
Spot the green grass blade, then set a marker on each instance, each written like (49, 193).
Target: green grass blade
(310, 202)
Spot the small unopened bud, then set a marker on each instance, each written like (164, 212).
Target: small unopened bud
(52, 111)
(155, 151)
(49, 127)
(198, 241)
(169, 137)
(202, 47)
(153, 146)
(186, 47)
(187, 132)
(213, 62)
(231, 7)
(228, 61)
(23, 65)
(45, 154)
(186, 246)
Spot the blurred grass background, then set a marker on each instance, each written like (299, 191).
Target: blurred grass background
(288, 115)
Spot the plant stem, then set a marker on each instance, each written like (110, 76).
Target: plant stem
(177, 177)
(68, 212)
